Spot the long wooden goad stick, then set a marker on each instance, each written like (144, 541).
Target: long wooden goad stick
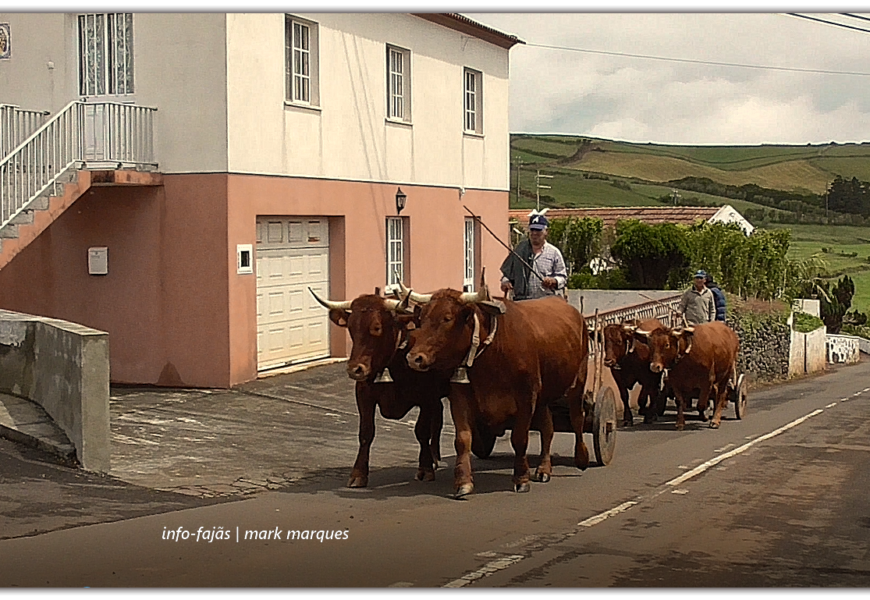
(522, 260)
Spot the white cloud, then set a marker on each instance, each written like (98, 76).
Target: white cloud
(645, 99)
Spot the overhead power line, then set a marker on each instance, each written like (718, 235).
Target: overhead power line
(699, 62)
(863, 18)
(817, 19)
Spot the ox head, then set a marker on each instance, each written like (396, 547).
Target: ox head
(375, 325)
(618, 342)
(666, 346)
(446, 325)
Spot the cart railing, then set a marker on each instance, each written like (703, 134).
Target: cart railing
(663, 310)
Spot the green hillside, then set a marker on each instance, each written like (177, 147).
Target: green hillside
(590, 172)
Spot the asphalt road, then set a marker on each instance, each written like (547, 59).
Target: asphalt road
(778, 499)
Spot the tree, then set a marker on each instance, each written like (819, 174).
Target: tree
(578, 239)
(654, 256)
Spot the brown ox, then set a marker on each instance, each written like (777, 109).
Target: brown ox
(702, 357)
(538, 353)
(379, 338)
(629, 360)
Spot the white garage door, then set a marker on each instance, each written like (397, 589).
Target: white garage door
(292, 255)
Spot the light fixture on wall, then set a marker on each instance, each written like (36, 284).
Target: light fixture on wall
(400, 200)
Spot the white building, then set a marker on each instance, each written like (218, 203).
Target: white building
(223, 163)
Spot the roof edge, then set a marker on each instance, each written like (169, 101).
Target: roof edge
(465, 25)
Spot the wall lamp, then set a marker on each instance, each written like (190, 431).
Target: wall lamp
(400, 200)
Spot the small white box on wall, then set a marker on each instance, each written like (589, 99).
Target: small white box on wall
(245, 259)
(98, 260)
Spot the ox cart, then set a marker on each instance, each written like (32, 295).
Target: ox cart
(737, 395)
(600, 411)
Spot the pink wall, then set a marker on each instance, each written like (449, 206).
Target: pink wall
(176, 311)
(358, 213)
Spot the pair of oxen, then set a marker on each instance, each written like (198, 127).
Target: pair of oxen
(699, 360)
(497, 362)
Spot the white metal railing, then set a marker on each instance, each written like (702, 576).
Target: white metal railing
(17, 124)
(663, 310)
(83, 134)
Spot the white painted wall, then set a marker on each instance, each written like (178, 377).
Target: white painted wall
(348, 137)
(217, 81)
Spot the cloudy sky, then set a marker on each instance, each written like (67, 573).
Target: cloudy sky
(645, 99)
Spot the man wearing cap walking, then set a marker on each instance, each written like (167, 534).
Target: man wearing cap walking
(542, 256)
(697, 304)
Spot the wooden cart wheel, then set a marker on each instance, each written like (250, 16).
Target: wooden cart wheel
(604, 426)
(740, 397)
(482, 440)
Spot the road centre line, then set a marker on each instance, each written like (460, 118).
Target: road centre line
(503, 563)
(606, 514)
(486, 570)
(831, 405)
(714, 461)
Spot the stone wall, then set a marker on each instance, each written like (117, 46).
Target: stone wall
(843, 348)
(764, 345)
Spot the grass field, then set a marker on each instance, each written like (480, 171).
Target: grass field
(645, 167)
(807, 240)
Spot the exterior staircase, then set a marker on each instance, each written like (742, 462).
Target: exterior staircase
(85, 144)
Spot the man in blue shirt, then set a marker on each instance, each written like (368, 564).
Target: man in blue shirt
(718, 298)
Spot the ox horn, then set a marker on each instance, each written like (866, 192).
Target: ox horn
(482, 293)
(331, 304)
(409, 293)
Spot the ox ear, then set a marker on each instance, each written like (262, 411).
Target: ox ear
(492, 307)
(339, 316)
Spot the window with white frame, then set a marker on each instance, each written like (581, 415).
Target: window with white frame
(468, 280)
(398, 84)
(301, 59)
(473, 101)
(395, 250)
(105, 54)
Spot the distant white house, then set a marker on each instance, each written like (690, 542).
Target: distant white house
(681, 215)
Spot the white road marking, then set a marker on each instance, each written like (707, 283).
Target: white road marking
(857, 394)
(866, 390)
(832, 404)
(488, 569)
(507, 561)
(606, 514)
(701, 468)
(723, 448)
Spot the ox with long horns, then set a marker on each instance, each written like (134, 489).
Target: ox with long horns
(518, 357)
(628, 360)
(379, 329)
(702, 357)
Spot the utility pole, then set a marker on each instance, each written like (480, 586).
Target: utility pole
(519, 160)
(539, 187)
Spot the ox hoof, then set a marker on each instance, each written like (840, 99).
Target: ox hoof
(358, 482)
(714, 425)
(650, 418)
(523, 487)
(680, 426)
(628, 422)
(542, 477)
(424, 475)
(463, 490)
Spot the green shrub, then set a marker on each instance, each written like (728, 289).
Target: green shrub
(805, 322)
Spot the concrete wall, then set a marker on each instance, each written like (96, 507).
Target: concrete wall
(811, 307)
(808, 352)
(64, 368)
(843, 348)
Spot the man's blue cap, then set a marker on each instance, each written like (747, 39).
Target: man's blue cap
(701, 274)
(538, 222)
